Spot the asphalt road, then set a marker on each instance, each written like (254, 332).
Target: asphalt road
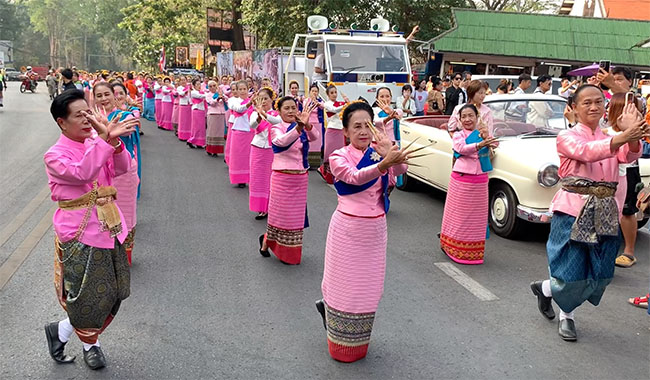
(205, 304)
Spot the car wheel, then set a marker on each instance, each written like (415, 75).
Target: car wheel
(642, 223)
(503, 211)
(407, 183)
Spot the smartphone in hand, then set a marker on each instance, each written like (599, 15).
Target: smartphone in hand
(605, 65)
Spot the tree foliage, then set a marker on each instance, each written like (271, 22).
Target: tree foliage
(524, 6)
(279, 21)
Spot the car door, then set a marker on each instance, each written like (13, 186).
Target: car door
(441, 157)
(414, 134)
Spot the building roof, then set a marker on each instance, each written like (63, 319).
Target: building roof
(550, 37)
(628, 9)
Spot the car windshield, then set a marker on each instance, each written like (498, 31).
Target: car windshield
(527, 118)
(373, 58)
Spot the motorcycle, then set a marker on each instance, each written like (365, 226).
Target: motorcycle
(28, 84)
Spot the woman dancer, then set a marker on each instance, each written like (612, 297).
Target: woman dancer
(289, 182)
(294, 89)
(316, 119)
(127, 184)
(184, 110)
(197, 138)
(261, 155)
(241, 137)
(167, 105)
(355, 252)
(464, 221)
(384, 114)
(175, 100)
(476, 93)
(234, 101)
(334, 138)
(157, 89)
(216, 120)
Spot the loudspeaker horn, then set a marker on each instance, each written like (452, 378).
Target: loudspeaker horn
(379, 24)
(317, 22)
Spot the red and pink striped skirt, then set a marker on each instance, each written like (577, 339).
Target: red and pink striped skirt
(353, 282)
(334, 139)
(464, 222)
(214, 133)
(260, 179)
(226, 154)
(287, 212)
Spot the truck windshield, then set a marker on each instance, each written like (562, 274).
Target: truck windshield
(371, 58)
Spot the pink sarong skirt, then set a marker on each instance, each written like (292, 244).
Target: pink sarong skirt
(175, 113)
(198, 128)
(166, 115)
(158, 111)
(353, 282)
(226, 155)
(260, 179)
(464, 221)
(127, 194)
(334, 139)
(239, 159)
(214, 133)
(287, 213)
(184, 122)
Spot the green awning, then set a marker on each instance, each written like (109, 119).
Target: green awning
(549, 37)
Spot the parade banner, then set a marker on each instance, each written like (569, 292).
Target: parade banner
(265, 65)
(243, 64)
(225, 64)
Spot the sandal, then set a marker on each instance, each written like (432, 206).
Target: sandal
(641, 302)
(625, 261)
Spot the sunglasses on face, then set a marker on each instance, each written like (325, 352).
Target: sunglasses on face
(457, 78)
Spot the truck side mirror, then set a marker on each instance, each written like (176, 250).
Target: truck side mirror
(312, 49)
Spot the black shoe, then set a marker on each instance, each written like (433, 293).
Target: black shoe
(320, 306)
(192, 146)
(94, 358)
(55, 345)
(141, 133)
(241, 185)
(544, 304)
(264, 253)
(261, 216)
(567, 330)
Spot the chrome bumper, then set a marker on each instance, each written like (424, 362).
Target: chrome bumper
(534, 215)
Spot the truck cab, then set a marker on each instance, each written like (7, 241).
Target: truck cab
(358, 62)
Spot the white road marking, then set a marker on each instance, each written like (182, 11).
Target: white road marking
(18, 256)
(23, 215)
(467, 282)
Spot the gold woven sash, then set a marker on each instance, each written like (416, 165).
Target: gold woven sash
(103, 198)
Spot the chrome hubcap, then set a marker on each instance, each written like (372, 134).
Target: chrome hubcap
(499, 209)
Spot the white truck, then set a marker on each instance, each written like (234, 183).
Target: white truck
(358, 62)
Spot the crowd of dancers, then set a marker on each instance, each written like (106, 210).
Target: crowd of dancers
(269, 144)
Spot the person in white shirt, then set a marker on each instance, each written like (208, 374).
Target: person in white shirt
(241, 136)
(320, 68)
(405, 102)
(540, 111)
(197, 138)
(261, 154)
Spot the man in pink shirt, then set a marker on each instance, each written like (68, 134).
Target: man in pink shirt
(584, 238)
(89, 227)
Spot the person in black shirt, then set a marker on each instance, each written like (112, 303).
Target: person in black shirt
(68, 84)
(452, 93)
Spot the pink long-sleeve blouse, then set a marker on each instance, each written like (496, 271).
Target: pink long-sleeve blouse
(290, 159)
(367, 203)
(587, 153)
(71, 168)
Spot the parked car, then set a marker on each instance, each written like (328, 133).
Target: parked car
(12, 74)
(525, 176)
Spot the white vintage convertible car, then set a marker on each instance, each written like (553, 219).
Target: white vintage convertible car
(525, 176)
